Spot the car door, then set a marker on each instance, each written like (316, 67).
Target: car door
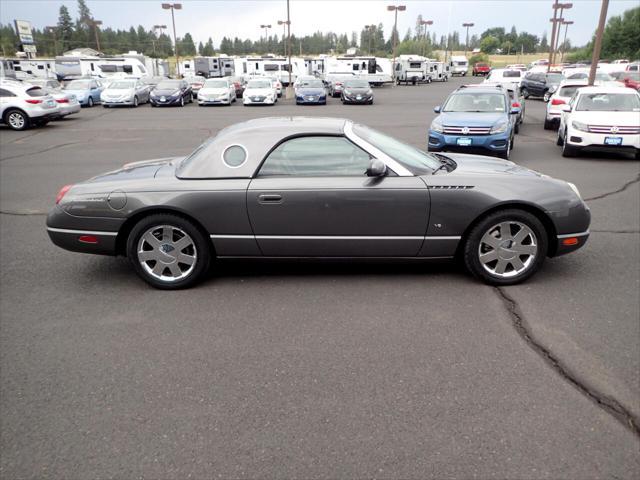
(6, 98)
(312, 198)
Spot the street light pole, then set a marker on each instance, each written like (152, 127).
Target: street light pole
(157, 27)
(172, 7)
(55, 39)
(597, 45)
(289, 90)
(466, 45)
(564, 42)
(560, 22)
(425, 23)
(266, 34)
(396, 9)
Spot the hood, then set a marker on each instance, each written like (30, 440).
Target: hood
(310, 91)
(482, 165)
(76, 92)
(357, 89)
(471, 119)
(214, 90)
(606, 118)
(258, 91)
(165, 92)
(117, 92)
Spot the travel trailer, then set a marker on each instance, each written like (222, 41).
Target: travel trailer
(459, 65)
(412, 69)
(440, 71)
(270, 66)
(376, 71)
(6, 68)
(38, 67)
(214, 67)
(101, 67)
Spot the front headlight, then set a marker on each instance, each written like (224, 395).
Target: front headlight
(575, 189)
(500, 127)
(176, 93)
(436, 126)
(583, 127)
(346, 92)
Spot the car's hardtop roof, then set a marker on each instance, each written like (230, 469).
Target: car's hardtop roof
(330, 125)
(621, 89)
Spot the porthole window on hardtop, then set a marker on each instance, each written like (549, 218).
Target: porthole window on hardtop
(234, 156)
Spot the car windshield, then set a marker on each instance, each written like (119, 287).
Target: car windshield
(312, 84)
(511, 74)
(417, 161)
(77, 85)
(356, 84)
(608, 102)
(216, 84)
(569, 90)
(169, 85)
(259, 84)
(475, 102)
(121, 85)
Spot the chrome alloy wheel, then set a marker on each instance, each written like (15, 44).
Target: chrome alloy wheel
(507, 249)
(16, 120)
(167, 253)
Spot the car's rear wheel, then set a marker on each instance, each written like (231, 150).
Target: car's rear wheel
(168, 251)
(546, 96)
(506, 247)
(16, 120)
(548, 124)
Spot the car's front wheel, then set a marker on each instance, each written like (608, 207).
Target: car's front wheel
(90, 102)
(568, 150)
(524, 92)
(506, 247)
(168, 251)
(135, 102)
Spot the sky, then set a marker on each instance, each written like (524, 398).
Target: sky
(242, 18)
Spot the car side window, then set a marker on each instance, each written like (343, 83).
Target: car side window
(316, 156)
(6, 93)
(94, 85)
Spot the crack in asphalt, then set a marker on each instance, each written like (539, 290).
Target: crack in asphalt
(48, 149)
(619, 190)
(608, 404)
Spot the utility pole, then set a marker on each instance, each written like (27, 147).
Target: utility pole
(156, 27)
(560, 22)
(266, 36)
(91, 22)
(369, 29)
(172, 7)
(55, 39)
(597, 45)
(395, 8)
(564, 42)
(284, 24)
(289, 90)
(425, 24)
(466, 45)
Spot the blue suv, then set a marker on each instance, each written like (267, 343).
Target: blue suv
(475, 120)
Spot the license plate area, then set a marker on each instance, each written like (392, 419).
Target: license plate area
(463, 142)
(613, 141)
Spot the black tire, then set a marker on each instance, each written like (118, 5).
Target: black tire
(90, 102)
(182, 101)
(559, 139)
(545, 96)
(507, 153)
(21, 120)
(200, 244)
(135, 102)
(637, 154)
(567, 150)
(191, 98)
(472, 245)
(516, 128)
(524, 92)
(548, 125)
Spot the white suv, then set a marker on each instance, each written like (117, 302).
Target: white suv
(601, 118)
(23, 105)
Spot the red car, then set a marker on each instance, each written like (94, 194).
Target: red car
(481, 69)
(629, 79)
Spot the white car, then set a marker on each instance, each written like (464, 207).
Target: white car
(67, 102)
(601, 118)
(217, 91)
(560, 97)
(603, 78)
(23, 105)
(260, 91)
(503, 75)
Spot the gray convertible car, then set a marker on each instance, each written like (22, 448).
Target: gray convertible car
(300, 187)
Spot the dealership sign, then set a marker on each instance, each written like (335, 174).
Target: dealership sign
(23, 29)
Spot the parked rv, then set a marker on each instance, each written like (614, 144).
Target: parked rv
(411, 69)
(439, 71)
(376, 71)
(459, 65)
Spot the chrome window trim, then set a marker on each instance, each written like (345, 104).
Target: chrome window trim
(336, 237)
(377, 153)
(81, 232)
(568, 235)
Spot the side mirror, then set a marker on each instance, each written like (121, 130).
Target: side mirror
(437, 109)
(377, 168)
(566, 108)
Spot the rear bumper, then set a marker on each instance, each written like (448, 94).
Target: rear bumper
(83, 234)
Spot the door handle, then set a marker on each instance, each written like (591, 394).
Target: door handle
(270, 198)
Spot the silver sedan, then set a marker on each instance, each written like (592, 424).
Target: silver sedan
(125, 92)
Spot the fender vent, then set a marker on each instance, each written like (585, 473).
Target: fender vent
(450, 187)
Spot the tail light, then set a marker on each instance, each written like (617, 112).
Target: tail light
(63, 191)
(557, 101)
(33, 101)
(62, 100)
(515, 105)
(338, 83)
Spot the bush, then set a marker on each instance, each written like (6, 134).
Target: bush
(478, 58)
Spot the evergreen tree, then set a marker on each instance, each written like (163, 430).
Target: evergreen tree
(208, 49)
(64, 30)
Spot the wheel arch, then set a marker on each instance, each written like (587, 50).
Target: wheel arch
(533, 209)
(127, 226)
(11, 109)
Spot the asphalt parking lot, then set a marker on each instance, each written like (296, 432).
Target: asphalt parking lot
(312, 370)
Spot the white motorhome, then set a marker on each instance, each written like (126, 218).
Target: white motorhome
(100, 67)
(314, 66)
(38, 67)
(459, 65)
(214, 67)
(439, 71)
(154, 66)
(6, 69)
(412, 69)
(376, 71)
(270, 66)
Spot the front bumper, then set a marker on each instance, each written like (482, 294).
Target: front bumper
(355, 99)
(214, 101)
(580, 139)
(496, 142)
(570, 242)
(168, 101)
(257, 101)
(113, 102)
(311, 99)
